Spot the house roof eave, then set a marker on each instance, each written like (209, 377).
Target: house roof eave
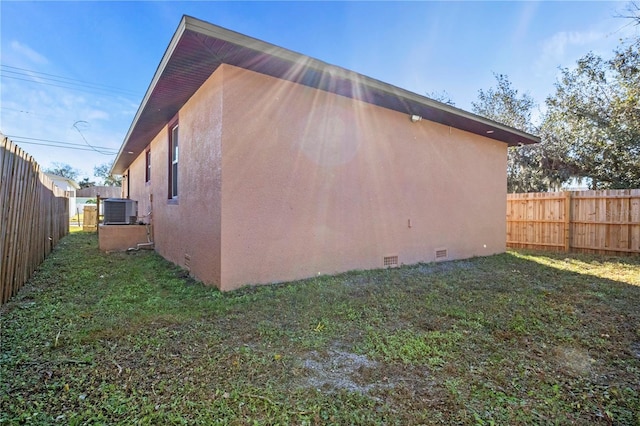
(198, 48)
(69, 181)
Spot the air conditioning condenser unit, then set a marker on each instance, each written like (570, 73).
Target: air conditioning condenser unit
(120, 211)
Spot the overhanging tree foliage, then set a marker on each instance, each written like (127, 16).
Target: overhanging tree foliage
(525, 164)
(591, 129)
(593, 119)
(64, 170)
(504, 105)
(103, 171)
(86, 183)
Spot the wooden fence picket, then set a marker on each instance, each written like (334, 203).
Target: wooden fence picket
(603, 221)
(33, 217)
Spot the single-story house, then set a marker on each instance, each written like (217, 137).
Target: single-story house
(260, 165)
(69, 186)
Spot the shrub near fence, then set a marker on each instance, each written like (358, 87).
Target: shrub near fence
(605, 221)
(34, 215)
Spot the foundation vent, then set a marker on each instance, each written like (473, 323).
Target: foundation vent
(390, 261)
(441, 254)
(187, 262)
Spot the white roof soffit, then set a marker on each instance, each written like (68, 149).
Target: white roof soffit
(198, 48)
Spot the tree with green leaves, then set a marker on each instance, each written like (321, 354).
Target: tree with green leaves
(505, 105)
(86, 183)
(441, 96)
(593, 119)
(526, 171)
(103, 171)
(590, 131)
(64, 170)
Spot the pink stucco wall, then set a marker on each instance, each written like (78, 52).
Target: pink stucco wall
(317, 184)
(121, 237)
(280, 181)
(187, 232)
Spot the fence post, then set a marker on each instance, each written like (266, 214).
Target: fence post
(98, 214)
(567, 221)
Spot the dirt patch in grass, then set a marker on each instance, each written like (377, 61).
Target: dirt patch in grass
(518, 338)
(574, 361)
(336, 369)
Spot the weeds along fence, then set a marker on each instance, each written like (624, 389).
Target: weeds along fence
(34, 215)
(603, 222)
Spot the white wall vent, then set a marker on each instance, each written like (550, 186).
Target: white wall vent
(441, 254)
(390, 261)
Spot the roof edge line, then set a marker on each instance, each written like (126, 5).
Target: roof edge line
(189, 24)
(212, 30)
(404, 93)
(182, 26)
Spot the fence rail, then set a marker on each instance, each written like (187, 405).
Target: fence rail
(33, 217)
(605, 221)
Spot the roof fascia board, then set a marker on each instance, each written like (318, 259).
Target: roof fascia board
(215, 31)
(156, 77)
(403, 93)
(191, 24)
(211, 30)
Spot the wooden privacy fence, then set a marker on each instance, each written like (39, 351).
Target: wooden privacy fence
(605, 221)
(34, 215)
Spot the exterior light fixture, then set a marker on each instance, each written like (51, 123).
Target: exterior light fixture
(490, 131)
(415, 118)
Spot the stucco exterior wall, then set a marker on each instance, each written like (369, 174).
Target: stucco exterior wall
(121, 237)
(278, 181)
(187, 230)
(315, 183)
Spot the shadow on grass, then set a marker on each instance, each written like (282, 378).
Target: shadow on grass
(517, 338)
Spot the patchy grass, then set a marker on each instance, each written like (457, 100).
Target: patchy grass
(518, 338)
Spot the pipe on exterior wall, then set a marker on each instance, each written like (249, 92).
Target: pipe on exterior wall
(149, 243)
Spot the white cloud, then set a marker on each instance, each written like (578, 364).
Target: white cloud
(70, 100)
(29, 53)
(96, 114)
(564, 48)
(556, 48)
(525, 20)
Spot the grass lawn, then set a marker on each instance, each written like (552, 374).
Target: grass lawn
(518, 338)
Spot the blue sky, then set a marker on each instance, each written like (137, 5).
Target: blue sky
(105, 54)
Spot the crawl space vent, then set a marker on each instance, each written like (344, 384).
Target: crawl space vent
(390, 261)
(441, 254)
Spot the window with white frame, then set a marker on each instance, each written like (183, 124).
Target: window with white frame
(173, 160)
